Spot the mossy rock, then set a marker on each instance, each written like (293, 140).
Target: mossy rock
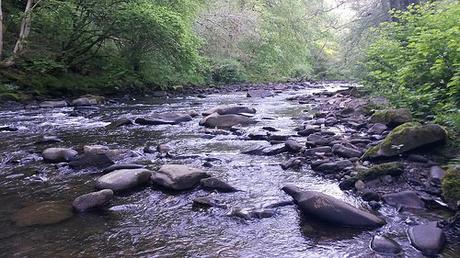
(392, 117)
(451, 185)
(407, 137)
(377, 171)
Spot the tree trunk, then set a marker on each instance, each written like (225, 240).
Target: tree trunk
(23, 34)
(1, 30)
(25, 29)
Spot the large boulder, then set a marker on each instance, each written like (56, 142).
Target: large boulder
(405, 199)
(225, 121)
(178, 177)
(172, 118)
(43, 213)
(53, 104)
(377, 171)
(407, 137)
(392, 117)
(92, 200)
(427, 238)
(124, 179)
(230, 110)
(331, 210)
(56, 155)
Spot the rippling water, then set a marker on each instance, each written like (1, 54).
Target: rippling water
(150, 223)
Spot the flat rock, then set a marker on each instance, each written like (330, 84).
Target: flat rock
(214, 184)
(124, 179)
(226, 121)
(48, 140)
(346, 152)
(178, 177)
(43, 213)
(333, 167)
(405, 199)
(92, 200)
(384, 245)
(84, 101)
(172, 118)
(229, 110)
(427, 238)
(318, 139)
(56, 155)
(331, 210)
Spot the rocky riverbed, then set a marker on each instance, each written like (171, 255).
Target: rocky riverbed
(277, 170)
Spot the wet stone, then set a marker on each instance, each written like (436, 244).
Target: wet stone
(214, 184)
(384, 245)
(92, 200)
(405, 199)
(428, 238)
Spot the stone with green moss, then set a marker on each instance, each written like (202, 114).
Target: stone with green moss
(451, 184)
(392, 117)
(377, 171)
(407, 137)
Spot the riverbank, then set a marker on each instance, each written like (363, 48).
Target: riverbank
(311, 135)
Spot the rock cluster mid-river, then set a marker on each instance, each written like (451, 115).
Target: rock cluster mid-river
(147, 222)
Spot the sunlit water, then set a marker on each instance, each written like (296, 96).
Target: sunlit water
(150, 223)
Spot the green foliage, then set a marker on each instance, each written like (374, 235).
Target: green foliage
(451, 184)
(416, 60)
(227, 72)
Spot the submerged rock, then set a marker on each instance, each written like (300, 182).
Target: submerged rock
(56, 155)
(172, 118)
(89, 160)
(92, 200)
(384, 245)
(124, 179)
(207, 202)
(230, 110)
(392, 117)
(178, 177)
(427, 238)
(121, 166)
(43, 213)
(214, 184)
(405, 199)
(331, 210)
(225, 121)
(120, 122)
(407, 137)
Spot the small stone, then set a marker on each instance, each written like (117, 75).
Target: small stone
(360, 185)
(92, 200)
(56, 155)
(385, 245)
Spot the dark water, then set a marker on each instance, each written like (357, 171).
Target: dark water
(150, 223)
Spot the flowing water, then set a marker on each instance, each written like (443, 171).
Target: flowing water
(151, 223)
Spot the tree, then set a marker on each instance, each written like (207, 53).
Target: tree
(24, 32)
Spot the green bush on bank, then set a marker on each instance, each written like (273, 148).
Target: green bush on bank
(415, 61)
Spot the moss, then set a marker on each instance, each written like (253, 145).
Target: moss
(451, 184)
(392, 169)
(371, 152)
